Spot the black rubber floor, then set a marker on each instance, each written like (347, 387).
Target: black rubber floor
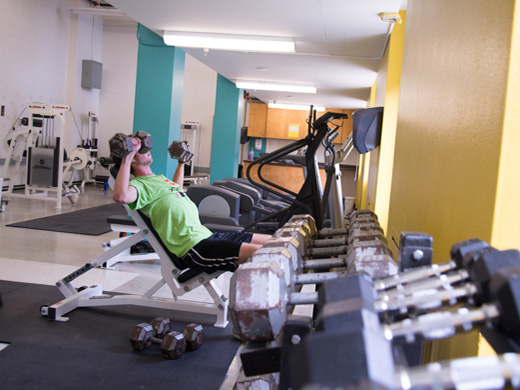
(92, 350)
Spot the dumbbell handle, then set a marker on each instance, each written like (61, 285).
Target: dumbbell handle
(331, 232)
(324, 263)
(308, 298)
(329, 242)
(427, 298)
(441, 281)
(156, 340)
(477, 373)
(413, 275)
(318, 277)
(440, 325)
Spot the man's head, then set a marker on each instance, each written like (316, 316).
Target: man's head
(140, 164)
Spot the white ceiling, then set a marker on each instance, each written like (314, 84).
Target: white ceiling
(339, 43)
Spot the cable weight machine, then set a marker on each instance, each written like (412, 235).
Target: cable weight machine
(43, 143)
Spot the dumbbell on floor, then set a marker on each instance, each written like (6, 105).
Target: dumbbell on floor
(180, 150)
(121, 144)
(173, 344)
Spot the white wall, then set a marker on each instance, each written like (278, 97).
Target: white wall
(33, 66)
(43, 45)
(198, 104)
(116, 101)
(42, 48)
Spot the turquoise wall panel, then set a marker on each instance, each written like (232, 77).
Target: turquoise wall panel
(225, 148)
(158, 96)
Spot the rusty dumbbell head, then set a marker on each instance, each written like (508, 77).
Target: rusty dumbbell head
(161, 326)
(146, 141)
(258, 301)
(173, 345)
(121, 145)
(194, 335)
(180, 150)
(141, 336)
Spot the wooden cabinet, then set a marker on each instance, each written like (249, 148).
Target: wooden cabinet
(292, 125)
(286, 124)
(257, 120)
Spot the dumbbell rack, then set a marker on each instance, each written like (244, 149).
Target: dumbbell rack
(409, 306)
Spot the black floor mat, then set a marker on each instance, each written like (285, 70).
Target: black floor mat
(91, 221)
(92, 350)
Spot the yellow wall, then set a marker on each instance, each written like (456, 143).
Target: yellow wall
(506, 224)
(449, 176)
(391, 70)
(364, 166)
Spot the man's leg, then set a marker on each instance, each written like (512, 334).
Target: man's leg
(260, 239)
(246, 251)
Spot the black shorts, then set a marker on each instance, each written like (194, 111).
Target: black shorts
(218, 252)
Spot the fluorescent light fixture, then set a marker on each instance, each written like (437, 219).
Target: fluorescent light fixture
(288, 106)
(229, 42)
(266, 86)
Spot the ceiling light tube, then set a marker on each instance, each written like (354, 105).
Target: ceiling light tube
(288, 106)
(266, 86)
(229, 42)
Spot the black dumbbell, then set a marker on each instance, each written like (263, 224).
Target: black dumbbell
(463, 254)
(180, 150)
(121, 144)
(361, 359)
(340, 298)
(502, 308)
(343, 359)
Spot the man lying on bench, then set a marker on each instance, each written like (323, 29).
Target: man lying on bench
(175, 217)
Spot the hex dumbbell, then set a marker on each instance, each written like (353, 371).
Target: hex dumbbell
(361, 359)
(432, 296)
(121, 144)
(180, 150)
(503, 310)
(173, 344)
(462, 255)
(347, 359)
(368, 253)
(259, 313)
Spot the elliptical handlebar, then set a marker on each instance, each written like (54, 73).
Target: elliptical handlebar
(326, 118)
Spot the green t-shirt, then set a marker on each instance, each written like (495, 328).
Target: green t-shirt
(174, 216)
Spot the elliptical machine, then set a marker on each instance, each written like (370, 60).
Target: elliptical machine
(309, 199)
(312, 198)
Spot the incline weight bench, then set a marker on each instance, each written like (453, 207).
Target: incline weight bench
(124, 224)
(179, 279)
